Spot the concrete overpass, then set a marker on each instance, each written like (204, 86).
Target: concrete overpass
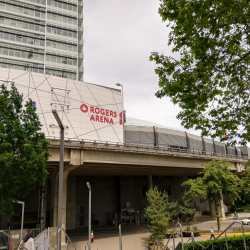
(104, 159)
(89, 158)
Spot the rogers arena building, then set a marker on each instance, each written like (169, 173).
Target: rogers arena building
(88, 111)
(120, 172)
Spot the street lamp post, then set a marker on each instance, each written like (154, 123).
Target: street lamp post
(89, 187)
(60, 185)
(120, 85)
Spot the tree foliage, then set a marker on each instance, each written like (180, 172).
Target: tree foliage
(246, 181)
(158, 212)
(211, 79)
(188, 211)
(216, 180)
(23, 149)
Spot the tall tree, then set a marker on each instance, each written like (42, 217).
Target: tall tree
(210, 76)
(216, 180)
(188, 211)
(23, 149)
(246, 181)
(159, 212)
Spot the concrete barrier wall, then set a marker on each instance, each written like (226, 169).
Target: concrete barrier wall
(195, 142)
(139, 135)
(169, 138)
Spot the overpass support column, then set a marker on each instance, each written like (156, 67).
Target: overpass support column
(54, 196)
(222, 209)
(150, 182)
(239, 167)
(213, 209)
(64, 203)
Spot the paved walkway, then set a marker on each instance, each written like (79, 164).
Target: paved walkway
(135, 237)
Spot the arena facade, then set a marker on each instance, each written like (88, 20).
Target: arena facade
(120, 161)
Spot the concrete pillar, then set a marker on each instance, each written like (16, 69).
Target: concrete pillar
(64, 203)
(54, 196)
(239, 167)
(71, 204)
(150, 182)
(54, 199)
(222, 209)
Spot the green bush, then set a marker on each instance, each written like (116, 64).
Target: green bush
(235, 242)
(243, 208)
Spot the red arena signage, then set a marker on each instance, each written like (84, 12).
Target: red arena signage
(99, 115)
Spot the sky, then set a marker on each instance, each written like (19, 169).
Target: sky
(118, 38)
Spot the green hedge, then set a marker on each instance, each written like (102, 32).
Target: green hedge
(235, 242)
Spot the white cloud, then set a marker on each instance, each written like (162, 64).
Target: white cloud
(118, 39)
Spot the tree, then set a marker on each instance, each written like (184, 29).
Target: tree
(23, 149)
(159, 212)
(216, 180)
(188, 211)
(246, 182)
(210, 76)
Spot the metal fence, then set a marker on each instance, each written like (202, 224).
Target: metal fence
(60, 230)
(4, 239)
(184, 246)
(41, 241)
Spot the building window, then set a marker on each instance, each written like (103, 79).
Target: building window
(21, 39)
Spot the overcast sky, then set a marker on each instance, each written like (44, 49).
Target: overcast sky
(118, 38)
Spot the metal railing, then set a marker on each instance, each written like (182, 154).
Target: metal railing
(142, 148)
(224, 232)
(41, 241)
(193, 242)
(19, 246)
(67, 237)
(173, 236)
(5, 240)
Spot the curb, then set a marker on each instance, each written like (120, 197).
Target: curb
(224, 234)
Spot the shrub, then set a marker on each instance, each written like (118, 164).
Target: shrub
(158, 212)
(235, 242)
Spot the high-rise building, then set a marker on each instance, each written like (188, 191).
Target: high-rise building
(44, 36)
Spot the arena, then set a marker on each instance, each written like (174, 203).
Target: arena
(121, 161)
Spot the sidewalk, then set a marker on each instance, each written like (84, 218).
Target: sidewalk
(135, 237)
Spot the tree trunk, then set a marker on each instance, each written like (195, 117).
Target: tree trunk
(217, 215)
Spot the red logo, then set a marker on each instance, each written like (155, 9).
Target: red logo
(99, 115)
(84, 108)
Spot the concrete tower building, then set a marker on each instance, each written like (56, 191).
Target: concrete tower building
(43, 36)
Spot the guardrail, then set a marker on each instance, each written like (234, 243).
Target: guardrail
(59, 235)
(141, 148)
(173, 236)
(19, 246)
(223, 232)
(41, 241)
